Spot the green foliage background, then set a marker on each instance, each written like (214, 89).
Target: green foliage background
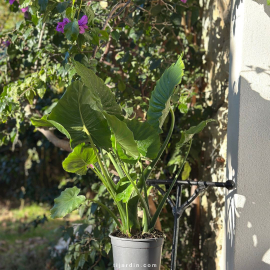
(130, 53)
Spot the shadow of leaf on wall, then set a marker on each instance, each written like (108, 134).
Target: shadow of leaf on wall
(259, 79)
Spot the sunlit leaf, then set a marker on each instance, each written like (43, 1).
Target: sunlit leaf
(41, 122)
(44, 122)
(183, 108)
(186, 171)
(159, 104)
(41, 91)
(69, 13)
(121, 153)
(125, 189)
(67, 202)
(79, 159)
(102, 96)
(107, 247)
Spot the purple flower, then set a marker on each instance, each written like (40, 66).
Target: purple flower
(6, 43)
(66, 21)
(61, 25)
(24, 9)
(83, 24)
(184, 1)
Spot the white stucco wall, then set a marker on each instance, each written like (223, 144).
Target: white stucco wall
(248, 151)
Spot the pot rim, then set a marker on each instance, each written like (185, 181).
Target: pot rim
(136, 240)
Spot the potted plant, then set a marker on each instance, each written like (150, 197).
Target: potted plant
(90, 117)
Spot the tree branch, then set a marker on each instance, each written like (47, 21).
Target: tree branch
(39, 43)
(63, 144)
(107, 21)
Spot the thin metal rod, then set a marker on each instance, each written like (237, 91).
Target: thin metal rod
(229, 184)
(176, 227)
(187, 203)
(169, 200)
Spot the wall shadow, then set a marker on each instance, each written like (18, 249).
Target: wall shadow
(232, 162)
(248, 207)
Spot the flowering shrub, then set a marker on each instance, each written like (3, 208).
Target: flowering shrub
(22, 9)
(129, 53)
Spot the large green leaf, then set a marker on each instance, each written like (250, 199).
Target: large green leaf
(67, 202)
(44, 122)
(123, 135)
(159, 104)
(121, 153)
(146, 136)
(101, 96)
(75, 113)
(78, 160)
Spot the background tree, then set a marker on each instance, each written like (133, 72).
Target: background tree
(128, 44)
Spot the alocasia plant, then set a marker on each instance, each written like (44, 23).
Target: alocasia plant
(90, 117)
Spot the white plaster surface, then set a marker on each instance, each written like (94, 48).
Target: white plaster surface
(248, 152)
(259, 79)
(266, 257)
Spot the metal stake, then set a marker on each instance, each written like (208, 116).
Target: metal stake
(176, 224)
(178, 209)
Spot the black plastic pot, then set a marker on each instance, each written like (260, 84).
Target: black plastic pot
(136, 254)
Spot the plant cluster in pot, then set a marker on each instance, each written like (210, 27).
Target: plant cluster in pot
(90, 117)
